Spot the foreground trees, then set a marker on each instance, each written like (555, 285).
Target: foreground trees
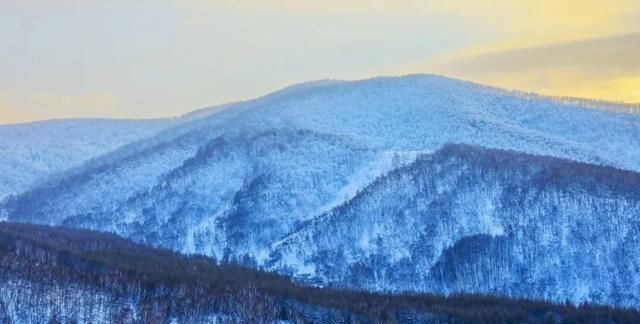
(61, 275)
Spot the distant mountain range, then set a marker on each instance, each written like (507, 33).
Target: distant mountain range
(419, 183)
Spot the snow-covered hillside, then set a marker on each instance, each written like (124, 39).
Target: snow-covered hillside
(33, 151)
(239, 183)
(468, 219)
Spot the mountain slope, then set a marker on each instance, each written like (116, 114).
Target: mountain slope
(31, 152)
(468, 219)
(64, 275)
(236, 183)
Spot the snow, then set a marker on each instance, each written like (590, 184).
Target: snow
(30, 152)
(385, 162)
(489, 230)
(266, 175)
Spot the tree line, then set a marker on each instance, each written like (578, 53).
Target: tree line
(126, 282)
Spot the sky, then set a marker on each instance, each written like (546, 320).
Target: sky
(159, 58)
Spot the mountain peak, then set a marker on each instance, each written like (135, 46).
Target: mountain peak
(356, 183)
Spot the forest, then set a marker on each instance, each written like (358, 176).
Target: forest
(63, 275)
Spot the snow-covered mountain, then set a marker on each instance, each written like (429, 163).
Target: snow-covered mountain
(346, 172)
(468, 219)
(63, 275)
(30, 152)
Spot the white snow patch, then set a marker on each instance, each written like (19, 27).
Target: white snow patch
(386, 162)
(491, 223)
(131, 217)
(301, 267)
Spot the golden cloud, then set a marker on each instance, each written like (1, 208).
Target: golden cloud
(601, 68)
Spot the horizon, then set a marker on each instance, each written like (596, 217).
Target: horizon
(514, 92)
(159, 59)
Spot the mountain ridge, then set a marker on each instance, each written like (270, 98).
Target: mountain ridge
(401, 227)
(297, 90)
(233, 183)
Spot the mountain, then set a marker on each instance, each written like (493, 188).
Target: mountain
(64, 275)
(312, 181)
(33, 151)
(474, 220)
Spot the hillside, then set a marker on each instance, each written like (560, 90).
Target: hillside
(475, 220)
(67, 275)
(31, 152)
(272, 182)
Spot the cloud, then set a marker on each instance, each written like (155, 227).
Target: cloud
(598, 57)
(537, 20)
(165, 57)
(602, 68)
